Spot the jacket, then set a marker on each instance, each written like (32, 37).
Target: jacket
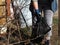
(53, 5)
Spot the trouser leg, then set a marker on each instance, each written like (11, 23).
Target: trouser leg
(49, 18)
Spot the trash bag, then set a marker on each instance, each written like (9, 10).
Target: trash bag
(40, 28)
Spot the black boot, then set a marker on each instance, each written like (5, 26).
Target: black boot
(47, 42)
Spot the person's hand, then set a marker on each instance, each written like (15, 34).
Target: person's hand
(38, 15)
(37, 11)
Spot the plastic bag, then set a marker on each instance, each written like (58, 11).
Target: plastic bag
(40, 28)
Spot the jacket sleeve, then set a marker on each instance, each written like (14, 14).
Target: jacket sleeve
(54, 5)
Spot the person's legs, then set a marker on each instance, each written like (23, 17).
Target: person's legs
(48, 14)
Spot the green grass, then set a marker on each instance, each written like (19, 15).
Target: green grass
(55, 20)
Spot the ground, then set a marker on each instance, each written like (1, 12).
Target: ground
(54, 39)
